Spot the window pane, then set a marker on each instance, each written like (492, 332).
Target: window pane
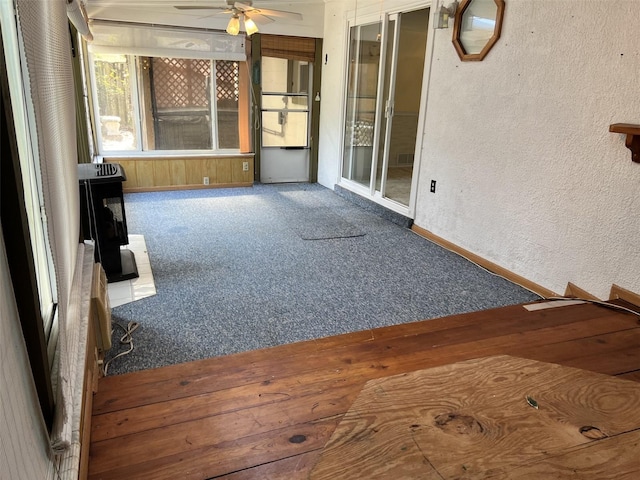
(274, 74)
(280, 75)
(227, 92)
(287, 82)
(180, 92)
(115, 104)
(284, 102)
(284, 129)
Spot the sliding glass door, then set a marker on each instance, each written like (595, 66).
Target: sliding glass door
(384, 84)
(361, 102)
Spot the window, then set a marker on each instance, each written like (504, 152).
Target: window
(285, 102)
(28, 253)
(165, 104)
(116, 106)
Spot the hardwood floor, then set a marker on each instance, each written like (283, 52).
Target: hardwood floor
(267, 414)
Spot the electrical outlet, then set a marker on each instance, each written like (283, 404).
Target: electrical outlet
(205, 180)
(433, 186)
(245, 166)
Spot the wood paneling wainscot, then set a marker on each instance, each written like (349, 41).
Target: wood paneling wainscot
(145, 174)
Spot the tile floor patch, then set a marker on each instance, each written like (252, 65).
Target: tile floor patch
(144, 286)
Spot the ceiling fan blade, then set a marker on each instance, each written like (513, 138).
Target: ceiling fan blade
(259, 18)
(199, 7)
(279, 13)
(265, 11)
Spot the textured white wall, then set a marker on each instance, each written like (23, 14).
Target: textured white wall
(24, 444)
(528, 175)
(333, 77)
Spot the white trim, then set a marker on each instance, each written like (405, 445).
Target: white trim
(382, 66)
(422, 111)
(376, 8)
(390, 100)
(343, 95)
(363, 192)
(213, 89)
(133, 62)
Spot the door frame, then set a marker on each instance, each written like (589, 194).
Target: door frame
(287, 163)
(389, 106)
(254, 62)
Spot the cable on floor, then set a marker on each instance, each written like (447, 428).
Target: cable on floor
(598, 302)
(477, 264)
(126, 339)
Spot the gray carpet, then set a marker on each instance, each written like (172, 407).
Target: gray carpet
(320, 223)
(312, 220)
(242, 269)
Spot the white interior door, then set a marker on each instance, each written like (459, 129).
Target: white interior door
(285, 120)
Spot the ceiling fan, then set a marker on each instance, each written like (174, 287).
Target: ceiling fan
(245, 11)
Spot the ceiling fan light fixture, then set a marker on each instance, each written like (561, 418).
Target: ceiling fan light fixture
(249, 25)
(233, 28)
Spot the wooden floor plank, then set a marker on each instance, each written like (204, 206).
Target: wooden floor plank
(293, 468)
(633, 376)
(205, 431)
(226, 363)
(229, 417)
(219, 459)
(593, 353)
(235, 370)
(343, 372)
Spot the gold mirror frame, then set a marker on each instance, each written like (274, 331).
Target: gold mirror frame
(457, 29)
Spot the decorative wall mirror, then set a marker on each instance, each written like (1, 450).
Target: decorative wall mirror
(477, 28)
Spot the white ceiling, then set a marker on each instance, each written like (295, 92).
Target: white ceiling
(162, 12)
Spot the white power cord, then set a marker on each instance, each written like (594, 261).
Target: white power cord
(598, 302)
(126, 339)
(490, 272)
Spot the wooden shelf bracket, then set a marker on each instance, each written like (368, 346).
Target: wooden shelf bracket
(633, 137)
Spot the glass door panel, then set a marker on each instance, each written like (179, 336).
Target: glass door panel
(405, 76)
(361, 104)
